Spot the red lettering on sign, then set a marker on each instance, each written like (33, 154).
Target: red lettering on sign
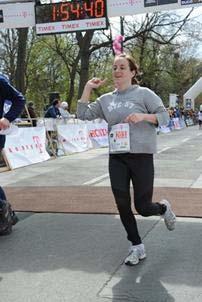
(121, 134)
(98, 132)
(74, 25)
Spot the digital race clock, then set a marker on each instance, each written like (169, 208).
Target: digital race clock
(70, 16)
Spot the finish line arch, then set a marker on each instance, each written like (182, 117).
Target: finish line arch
(191, 94)
(21, 13)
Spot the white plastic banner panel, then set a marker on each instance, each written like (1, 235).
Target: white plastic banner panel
(74, 138)
(27, 146)
(98, 134)
(17, 15)
(134, 7)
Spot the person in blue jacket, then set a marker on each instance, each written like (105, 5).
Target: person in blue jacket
(8, 92)
(53, 111)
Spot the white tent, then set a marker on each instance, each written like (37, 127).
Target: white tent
(191, 94)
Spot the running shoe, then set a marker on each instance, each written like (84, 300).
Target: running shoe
(136, 253)
(169, 216)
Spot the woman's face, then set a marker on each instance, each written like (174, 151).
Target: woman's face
(122, 75)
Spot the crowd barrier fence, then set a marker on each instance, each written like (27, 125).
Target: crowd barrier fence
(58, 137)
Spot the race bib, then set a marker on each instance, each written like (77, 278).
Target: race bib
(119, 138)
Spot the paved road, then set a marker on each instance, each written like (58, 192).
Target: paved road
(79, 258)
(178, 163)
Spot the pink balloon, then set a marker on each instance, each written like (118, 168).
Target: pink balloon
(117, 44)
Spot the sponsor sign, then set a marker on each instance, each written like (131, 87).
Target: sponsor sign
(25, 147)
(98, 134)
(74, 138)
(17, 15)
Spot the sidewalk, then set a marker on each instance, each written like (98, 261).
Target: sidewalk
(79, 258)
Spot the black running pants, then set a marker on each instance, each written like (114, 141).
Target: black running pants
(138, 168)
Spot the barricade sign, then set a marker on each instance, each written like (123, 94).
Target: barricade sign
(176, 123)
(74, 138)
(25, 147)
(98, 134)
(189, 122)
(164, 129)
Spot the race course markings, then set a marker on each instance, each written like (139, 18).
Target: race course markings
(97, 179)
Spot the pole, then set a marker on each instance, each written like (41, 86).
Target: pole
(121, 30)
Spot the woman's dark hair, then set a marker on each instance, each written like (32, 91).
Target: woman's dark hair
(55, 102)
(133, 66)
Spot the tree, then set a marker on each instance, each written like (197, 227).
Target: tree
(21, 59)
(65, 62)
(8, 53)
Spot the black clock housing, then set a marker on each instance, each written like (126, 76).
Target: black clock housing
(70, 10)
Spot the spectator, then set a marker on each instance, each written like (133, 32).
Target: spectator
(8, 92)
(200, 119)
(31, 110)
(64, 110)
(53, 111)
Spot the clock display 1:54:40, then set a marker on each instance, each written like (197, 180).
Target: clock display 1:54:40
(66, 11)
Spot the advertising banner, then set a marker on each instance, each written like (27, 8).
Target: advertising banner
(25, 147)
(74, 138)
(17, 15)
(98, 134)
(133, 7)
(176, 123)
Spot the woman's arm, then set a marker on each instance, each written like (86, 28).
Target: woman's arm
(139, 117)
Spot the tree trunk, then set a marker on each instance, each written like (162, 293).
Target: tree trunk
(85, 52)
(72, 80)
(21, 59)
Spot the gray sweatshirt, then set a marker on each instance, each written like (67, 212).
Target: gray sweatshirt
(115, 106)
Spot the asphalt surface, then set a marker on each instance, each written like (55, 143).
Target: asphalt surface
(56, 257)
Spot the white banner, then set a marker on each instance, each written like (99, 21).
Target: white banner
(74, 138)
(133, 7)
(17, 15)
(52, 123)
(176, 123)
(22, 14)
(98, 134)
(26, 147)
(164, 129)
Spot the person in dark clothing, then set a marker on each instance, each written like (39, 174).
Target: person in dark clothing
(8, 92)
(53, 111)
(31, 110)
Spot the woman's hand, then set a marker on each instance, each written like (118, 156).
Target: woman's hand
(95, 83)
(135, 118)
(139, 117)
(90, 85)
